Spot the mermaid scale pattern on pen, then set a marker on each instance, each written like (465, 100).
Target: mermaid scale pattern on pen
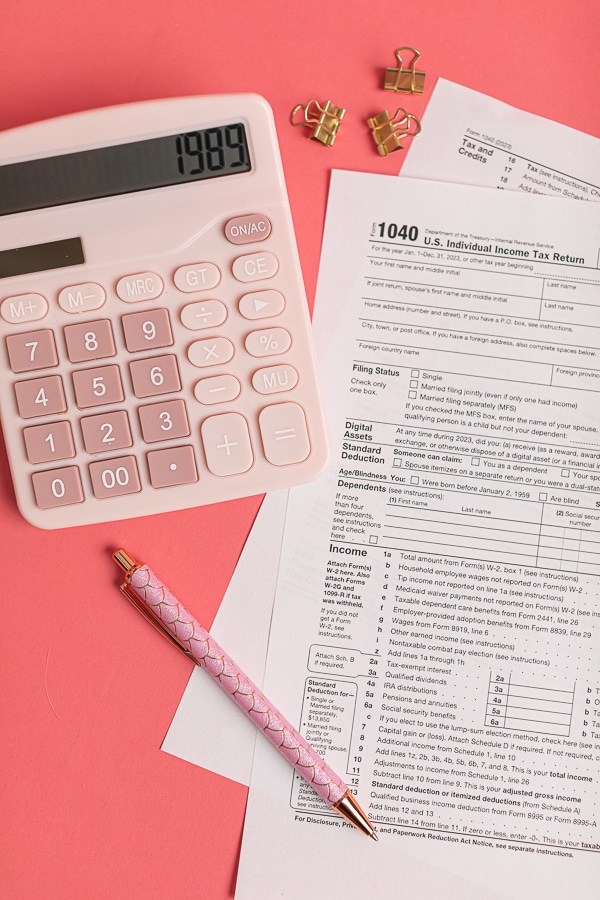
(241, 690)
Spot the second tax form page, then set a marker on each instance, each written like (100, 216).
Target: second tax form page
(440, 581)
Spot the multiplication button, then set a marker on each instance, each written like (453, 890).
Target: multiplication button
(210, 352)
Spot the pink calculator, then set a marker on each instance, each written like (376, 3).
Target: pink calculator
(154, 330)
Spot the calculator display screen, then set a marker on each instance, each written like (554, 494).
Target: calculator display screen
(124, 168)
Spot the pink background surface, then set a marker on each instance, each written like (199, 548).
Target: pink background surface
(91, 808)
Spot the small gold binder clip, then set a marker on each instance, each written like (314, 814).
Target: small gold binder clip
(388, 131)
(407, 81)
(325, 120)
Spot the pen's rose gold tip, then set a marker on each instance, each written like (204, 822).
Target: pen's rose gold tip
(124, 560)
(374, 836)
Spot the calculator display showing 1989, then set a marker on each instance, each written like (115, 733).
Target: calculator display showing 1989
(153, 322)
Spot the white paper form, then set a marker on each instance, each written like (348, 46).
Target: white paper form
(470, 138)
(436, 629)
(452, 109)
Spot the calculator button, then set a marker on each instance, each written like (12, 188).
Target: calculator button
(284, 434)
(274, 379)
(219, 389)
(261, 304)
(45, 443)
(165, 420)
(255, 266)
(97, 387)
(115, 477)
(268, 342)
(40, 397)
(90, 340)
(199, 277)
(147, 330)
(78, 298)
(58, 487)
(227, 444)
(210, 352)
(247, 229)
(203, 314)
(107, 431)
(23, 308)
(174, 465)
(135, 288)
(157, 375)
(31, 350)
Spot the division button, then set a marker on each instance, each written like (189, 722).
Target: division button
(203, 314)
(284, 434)
(172, 466)
(227, 444)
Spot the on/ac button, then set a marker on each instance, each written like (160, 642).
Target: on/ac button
(247, 229)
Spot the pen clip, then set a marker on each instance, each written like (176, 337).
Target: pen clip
(160, 626)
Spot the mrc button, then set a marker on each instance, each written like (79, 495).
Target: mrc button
(144, 286)
(247, 229)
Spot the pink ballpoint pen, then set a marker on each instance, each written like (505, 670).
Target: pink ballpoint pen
(156, 602)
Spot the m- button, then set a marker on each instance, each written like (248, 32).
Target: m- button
(255, 267)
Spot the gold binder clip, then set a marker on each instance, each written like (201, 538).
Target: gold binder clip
(407, 81)
(388, 131)
(325, 120)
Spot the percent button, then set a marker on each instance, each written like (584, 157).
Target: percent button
(268, 342)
